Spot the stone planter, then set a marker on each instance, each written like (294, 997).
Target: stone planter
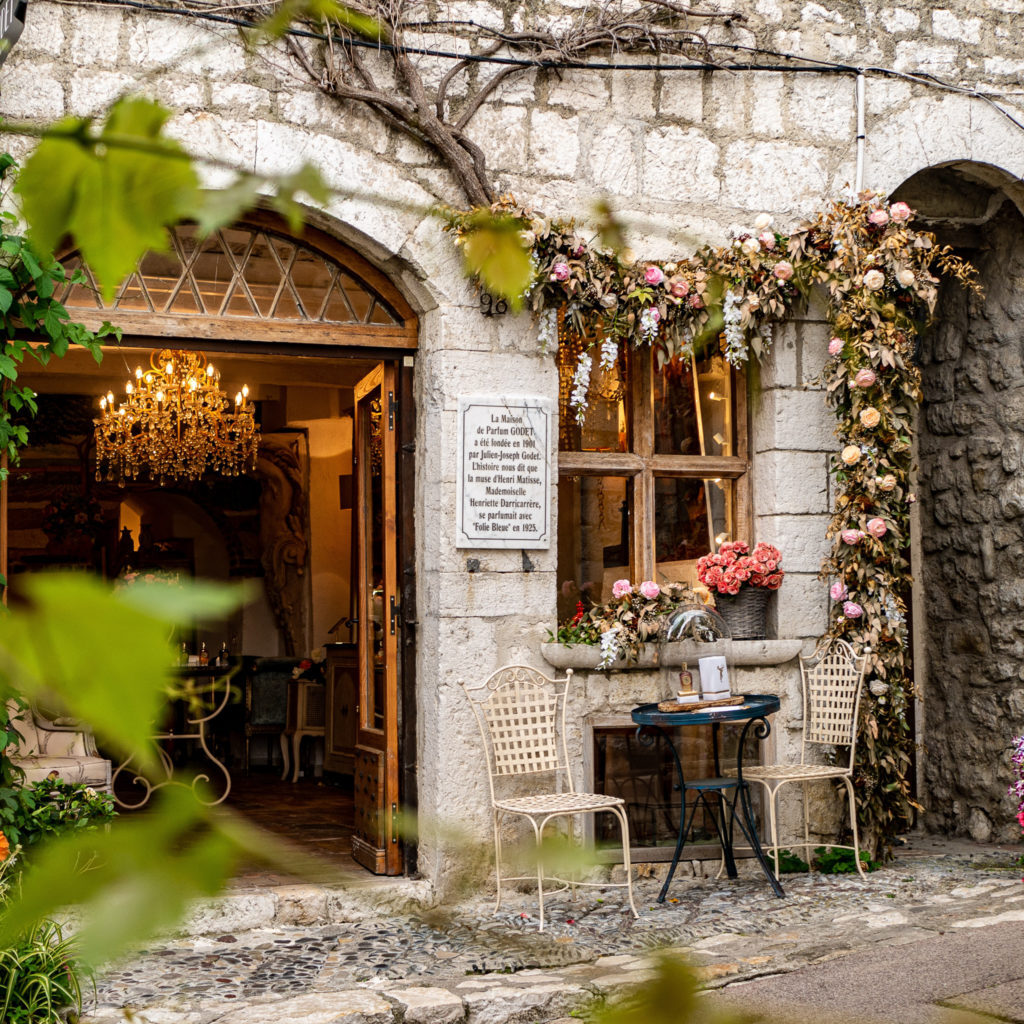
(741, 653)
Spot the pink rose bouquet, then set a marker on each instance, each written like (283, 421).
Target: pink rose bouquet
(636, 615)
(736, 565)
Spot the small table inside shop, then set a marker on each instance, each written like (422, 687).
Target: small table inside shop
(187, 724)
(731, 810)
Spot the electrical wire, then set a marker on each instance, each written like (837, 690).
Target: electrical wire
(795, 63)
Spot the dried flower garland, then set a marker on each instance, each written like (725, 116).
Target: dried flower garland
(878, 272)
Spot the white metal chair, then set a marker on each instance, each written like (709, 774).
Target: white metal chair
(521, 715)
(832, 679)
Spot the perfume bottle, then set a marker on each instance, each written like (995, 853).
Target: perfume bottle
(223, 657)
(183, 654)
(204, 654)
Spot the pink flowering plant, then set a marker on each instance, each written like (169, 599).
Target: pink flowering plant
(735, 566)
(636, 614)
(1017, 787)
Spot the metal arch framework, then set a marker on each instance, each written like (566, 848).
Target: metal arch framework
(253, 281)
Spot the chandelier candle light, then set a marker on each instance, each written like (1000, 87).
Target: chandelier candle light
(175, 423)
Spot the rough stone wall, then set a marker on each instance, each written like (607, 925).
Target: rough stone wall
(972, 503)
(683, 155)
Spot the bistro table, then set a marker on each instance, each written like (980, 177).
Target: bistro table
(753, 712)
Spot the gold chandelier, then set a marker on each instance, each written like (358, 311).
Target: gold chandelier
(175, 423)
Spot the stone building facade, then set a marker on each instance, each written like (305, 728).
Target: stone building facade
(682, 156)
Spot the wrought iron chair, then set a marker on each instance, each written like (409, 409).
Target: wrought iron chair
(832, 679)
(521, 715)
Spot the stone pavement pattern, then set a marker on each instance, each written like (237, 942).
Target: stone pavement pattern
(465, 963)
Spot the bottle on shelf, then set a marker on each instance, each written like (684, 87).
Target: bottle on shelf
(183, 653)
(223, 656)
(204, 654)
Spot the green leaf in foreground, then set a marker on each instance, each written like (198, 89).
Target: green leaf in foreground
(494, 251)
(114, 190)
(320, 11)
(127, 883)
(99, 655)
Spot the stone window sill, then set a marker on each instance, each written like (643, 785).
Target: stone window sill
(740, 653)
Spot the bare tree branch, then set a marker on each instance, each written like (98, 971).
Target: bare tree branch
(409, 105)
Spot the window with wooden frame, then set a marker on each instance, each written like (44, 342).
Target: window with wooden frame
(655, 476)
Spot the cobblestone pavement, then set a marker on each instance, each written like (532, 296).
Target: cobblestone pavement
(467, 963)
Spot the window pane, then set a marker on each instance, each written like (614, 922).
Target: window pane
(684, 426)
(689, 517)
(593, 539)
(604, 427)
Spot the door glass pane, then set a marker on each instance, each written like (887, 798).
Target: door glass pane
(593, 539)
(691, 517)
(605, 424)
(684, 425)
(372, 457)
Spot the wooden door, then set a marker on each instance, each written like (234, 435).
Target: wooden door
(375, 843)
(342, 701)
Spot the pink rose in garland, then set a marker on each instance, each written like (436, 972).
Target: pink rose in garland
(839, 591)
(865, 377)
(654, 275)
(852, 610)
(560, 272)
(621, 588)
(900, 212)
(679, 287)
(736, 566)
(852, 537)
(878, 217)
(783, 270)
(835, 346)
(877, 527)
(650, 589)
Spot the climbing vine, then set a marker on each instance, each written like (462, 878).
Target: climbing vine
(879, 273)
(33, 322)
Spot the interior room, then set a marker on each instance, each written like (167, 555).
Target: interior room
(284, 525)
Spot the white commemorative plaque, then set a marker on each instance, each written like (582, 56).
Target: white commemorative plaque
(504, 491)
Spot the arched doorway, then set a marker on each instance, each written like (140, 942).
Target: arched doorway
(325, 341)
(969, 550)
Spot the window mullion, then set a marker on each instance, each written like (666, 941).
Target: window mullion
(642, 510)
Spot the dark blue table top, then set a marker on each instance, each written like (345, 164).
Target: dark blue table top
(755, 705)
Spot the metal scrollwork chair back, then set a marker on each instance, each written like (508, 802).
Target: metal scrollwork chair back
(521, 716)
